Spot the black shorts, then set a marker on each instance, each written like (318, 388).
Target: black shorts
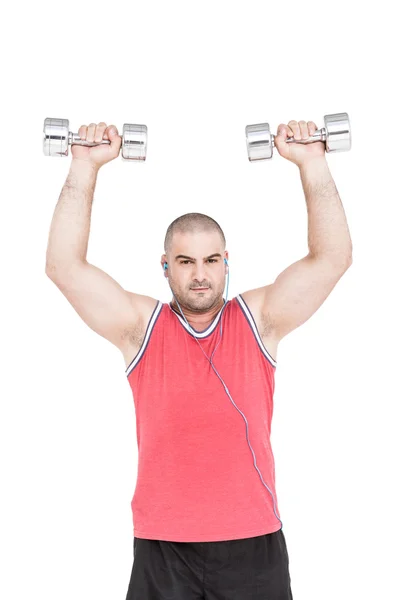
(254, 568)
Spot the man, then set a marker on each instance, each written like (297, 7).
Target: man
(206, 521)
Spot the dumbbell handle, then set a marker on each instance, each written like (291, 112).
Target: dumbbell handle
(74, 139)
(319, 136)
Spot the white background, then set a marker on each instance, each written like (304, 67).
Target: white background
(196, 74)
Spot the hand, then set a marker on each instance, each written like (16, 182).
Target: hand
(97, 155)
(299, 154)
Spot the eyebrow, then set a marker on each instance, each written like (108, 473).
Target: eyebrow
(191, 258)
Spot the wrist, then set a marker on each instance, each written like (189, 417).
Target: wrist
(313, 162)
(81, 165)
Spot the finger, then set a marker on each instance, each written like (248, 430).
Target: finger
(90, 132)
(100, 129)
(312, 128)
(283, 131)
(112, 133)
(110, 127)
(294, 126)
(303, 130)
(82, 132)
(290, 132)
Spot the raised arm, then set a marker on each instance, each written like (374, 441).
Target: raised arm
(100, 301)
(299, 291)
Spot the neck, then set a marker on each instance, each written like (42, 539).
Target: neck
(198, 320)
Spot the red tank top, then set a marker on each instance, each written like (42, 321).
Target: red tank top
(196, 479)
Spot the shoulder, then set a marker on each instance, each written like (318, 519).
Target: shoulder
(256, 302)
(143, 308)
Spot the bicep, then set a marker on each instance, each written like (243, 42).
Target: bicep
(100, 301)
(298, 292)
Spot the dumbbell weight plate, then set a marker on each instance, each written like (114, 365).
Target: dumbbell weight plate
(57, 138)
(134, 142)
(259, 141)
(338, 133)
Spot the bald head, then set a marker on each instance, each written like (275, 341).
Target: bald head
(192, 223)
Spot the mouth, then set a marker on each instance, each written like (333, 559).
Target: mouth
(200, 289)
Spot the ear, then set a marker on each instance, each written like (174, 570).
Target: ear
(164, 260)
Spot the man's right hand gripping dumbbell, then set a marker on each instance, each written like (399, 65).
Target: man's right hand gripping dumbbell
(97, 156)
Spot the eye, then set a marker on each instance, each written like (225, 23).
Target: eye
(182, 262)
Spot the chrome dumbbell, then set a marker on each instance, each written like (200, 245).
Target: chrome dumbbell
(57, 137)
(336, 135)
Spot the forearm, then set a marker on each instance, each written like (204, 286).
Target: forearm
(328, 232)
(70, 227)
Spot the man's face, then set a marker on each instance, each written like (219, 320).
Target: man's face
(197, 261)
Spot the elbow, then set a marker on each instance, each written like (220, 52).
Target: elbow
(49, 270)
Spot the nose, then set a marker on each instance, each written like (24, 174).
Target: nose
(199, 275)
